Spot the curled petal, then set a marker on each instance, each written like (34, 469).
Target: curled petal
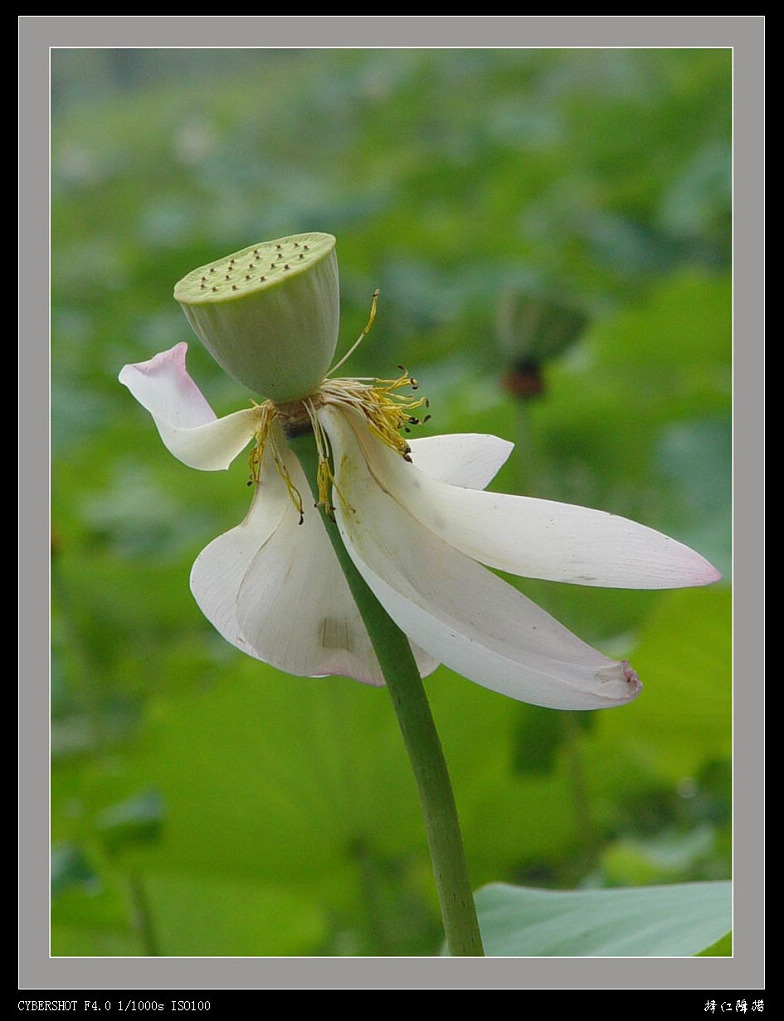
(187, 424)
(274, 589)
(538, 538)
(458, 611)
(461, 459)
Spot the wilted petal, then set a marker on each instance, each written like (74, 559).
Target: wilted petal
(274, 589)
(294, 605)
(461, 459)
(219, 569)
(457, 610)
(186, 422)
(538, 538)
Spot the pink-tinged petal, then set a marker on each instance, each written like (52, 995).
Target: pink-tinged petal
(274, 589)
(455, 609)
(186, 422)
(164, 387)
(461, 459)
(537, 538)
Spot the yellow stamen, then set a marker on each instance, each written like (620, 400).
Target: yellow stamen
(325, 480)
(266, 416)
(383, 407)
(268, 412)
(294, 494)
(381, 404)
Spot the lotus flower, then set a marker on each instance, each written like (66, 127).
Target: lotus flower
(415, 516)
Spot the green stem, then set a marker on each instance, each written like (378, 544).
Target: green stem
(142, 917)
(421, 740)
(582, 805)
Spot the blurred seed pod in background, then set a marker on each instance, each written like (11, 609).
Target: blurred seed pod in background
(533, 330)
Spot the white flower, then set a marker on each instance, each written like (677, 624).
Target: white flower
(420, 528)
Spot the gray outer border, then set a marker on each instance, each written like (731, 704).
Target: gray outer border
(745, 970)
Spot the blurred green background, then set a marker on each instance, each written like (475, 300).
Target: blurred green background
(550, 231)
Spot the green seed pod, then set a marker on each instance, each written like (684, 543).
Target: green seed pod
(269, 314)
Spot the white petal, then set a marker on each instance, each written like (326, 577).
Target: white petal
(186, 422)
(538, 538)
(461, 459)
(294, 606)
(274, 589)
(457, 610)
(219, 569)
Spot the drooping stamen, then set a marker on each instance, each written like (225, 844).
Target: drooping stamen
(266, 416)
(294, 494)
(324, 475)
(268, 413)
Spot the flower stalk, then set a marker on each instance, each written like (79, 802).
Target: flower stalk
(419, 735)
